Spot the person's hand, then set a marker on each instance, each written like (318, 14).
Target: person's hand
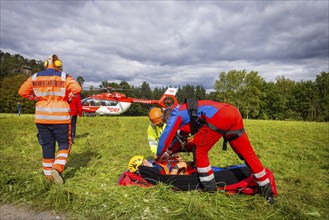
(166, 155)
(181, 165)
(179, 168)
(267, 193)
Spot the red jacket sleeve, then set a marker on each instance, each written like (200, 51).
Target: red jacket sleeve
(75, 105)
(79, 106)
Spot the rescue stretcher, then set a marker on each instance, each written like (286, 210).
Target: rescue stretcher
(232, 179)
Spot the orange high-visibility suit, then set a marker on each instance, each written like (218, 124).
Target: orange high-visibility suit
(50, 89)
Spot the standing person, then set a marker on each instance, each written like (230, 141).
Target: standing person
(50, 89)
(18, 108)
(155, 127)
(76, 110)
(209, 121)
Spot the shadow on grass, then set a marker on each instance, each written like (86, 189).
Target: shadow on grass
(77, 161)
(82, 135)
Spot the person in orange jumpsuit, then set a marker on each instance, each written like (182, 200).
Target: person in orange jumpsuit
(50, 89)
(76, 110)
(208, 123)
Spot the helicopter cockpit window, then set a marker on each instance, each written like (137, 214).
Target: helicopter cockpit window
(109, 103)
(113, 103)
(85, 102)
(96, 103)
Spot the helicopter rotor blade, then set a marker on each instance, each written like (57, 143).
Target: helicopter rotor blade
(105, 89)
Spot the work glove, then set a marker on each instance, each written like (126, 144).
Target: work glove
(267, 193)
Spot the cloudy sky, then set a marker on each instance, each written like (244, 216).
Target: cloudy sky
(171, 43)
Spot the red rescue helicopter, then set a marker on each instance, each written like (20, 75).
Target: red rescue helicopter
(115, 103)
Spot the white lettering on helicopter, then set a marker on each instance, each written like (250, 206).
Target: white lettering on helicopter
(143, 101)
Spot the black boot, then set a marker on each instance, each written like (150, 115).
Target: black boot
(209, 186)
(267, 193)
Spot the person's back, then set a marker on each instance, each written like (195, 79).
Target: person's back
(50, 88)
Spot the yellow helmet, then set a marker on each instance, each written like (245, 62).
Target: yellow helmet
(134, 163)
(156, 115)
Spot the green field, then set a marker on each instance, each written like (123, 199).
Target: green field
(296, 152)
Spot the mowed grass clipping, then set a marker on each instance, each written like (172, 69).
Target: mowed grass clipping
(296, 152)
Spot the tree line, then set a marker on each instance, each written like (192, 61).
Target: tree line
(256, 98)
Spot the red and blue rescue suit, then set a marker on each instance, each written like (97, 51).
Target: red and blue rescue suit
(219, 119)
(50, 88)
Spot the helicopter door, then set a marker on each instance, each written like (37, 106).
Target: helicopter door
(117, 108)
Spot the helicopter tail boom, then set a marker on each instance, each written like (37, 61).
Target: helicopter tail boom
(168, 99)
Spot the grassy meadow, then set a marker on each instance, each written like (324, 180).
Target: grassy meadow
(296, 152)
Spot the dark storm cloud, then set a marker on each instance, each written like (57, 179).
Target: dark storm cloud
(171, 43)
